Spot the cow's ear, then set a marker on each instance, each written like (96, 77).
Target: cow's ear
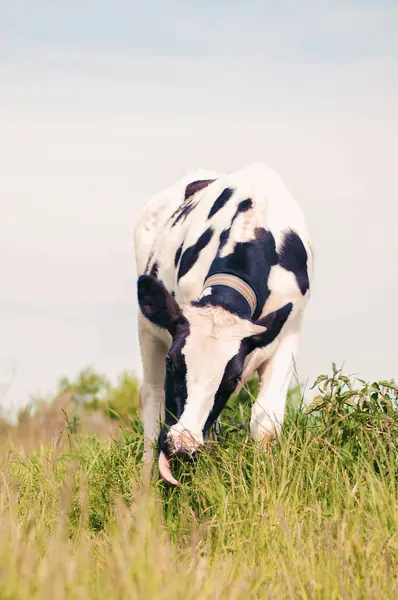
(273, 323)
(157, 304)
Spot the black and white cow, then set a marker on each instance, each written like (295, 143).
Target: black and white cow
(224, 266)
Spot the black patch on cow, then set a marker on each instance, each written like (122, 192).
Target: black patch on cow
(191, 254)
(232, 373)
(228, 298)
(224, 236)
(273, 322)
(154, 270)
(158, 305)
(293, 257)
(184, 211)
(243, 206)
(220, 201)
(178, 255)
(250, 261)
(196, 186)
(175, 386)
(188, 203)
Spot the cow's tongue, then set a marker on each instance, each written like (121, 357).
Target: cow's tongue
(165, 469)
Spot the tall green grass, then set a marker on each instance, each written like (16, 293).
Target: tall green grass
(314, 517)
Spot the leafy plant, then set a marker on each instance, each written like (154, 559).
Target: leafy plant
(89, 388)
(357, 417)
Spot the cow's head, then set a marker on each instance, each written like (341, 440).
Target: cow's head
(203, 365)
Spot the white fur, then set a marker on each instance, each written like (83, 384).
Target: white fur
(210, 346)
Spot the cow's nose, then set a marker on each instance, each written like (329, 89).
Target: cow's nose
(178, 443)
(183, 443)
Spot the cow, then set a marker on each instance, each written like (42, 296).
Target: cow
(224, 265)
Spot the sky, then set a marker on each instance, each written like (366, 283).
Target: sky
(104, 104)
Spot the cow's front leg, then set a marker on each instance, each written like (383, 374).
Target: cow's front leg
(153, 353)
(274, 378)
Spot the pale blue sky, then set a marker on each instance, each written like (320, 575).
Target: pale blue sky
(315, 30)
(102, 104)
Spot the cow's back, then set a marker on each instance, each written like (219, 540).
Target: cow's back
(156, 212)
(178, 242)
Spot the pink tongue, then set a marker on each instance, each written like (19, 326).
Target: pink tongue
(165, 470)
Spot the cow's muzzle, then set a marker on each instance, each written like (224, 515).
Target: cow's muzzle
(172, 444)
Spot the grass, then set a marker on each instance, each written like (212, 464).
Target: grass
(315, 517)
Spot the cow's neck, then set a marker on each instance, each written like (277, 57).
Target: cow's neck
(250, 262)
(230, 292)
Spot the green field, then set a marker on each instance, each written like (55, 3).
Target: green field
(316, 516)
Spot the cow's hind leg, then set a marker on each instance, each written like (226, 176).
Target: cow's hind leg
(153, 353)
(274, 378)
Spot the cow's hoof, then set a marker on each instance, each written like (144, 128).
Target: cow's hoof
(265, 438)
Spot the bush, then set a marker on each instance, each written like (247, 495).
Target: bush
(94, 392)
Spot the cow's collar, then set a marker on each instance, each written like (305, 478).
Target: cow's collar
(236, 284)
